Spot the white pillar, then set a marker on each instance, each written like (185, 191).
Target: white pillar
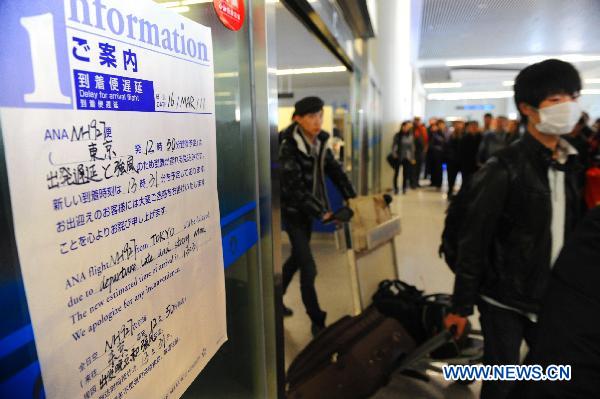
(395, 50)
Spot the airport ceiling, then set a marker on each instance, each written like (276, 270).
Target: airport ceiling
(467, 30)
(298, 48)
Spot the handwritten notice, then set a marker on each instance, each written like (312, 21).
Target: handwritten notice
(114, 199)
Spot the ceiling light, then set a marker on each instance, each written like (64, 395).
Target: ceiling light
(595, 80)
(184, 3)
(508, 83)
(171, 4)
(470, 95)
(222, 93)
(495, 61)
(180, 10)
(226, 75)
(304, 71)
(590, 91)
(530, 59)
(443, 85)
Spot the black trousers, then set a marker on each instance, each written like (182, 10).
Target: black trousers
(453, 169)
(416, 173)
(406, 174)
(299, 229)
(503, 331)
(436, 170)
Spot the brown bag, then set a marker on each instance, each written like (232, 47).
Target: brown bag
(350, 359)
(369, 212)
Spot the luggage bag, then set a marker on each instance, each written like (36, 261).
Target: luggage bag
(350, 359)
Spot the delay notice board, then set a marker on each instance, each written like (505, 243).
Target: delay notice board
(108, 127)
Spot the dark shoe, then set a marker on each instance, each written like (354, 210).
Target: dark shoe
(318, 324)
(287, 312)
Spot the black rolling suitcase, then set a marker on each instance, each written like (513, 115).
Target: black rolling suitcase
(350, 359)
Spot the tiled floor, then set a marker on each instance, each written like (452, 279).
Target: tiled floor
(422, 215)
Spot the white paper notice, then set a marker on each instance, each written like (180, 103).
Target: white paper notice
(115, 202)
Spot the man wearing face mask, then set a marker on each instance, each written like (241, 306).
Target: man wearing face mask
(523, 203)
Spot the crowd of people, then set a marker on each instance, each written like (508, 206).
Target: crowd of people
(421, 151)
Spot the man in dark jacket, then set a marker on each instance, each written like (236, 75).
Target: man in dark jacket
(522, 205)
(306, 158)
(569, 328)
(469, 146)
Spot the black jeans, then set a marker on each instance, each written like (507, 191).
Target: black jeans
(503, 331)
(453, 168)
(436, 170)
(299, 229)
(416, 172)
(406, 174)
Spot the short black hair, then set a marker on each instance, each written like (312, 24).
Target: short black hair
(488, 115)
(538, 81)
(308, 105)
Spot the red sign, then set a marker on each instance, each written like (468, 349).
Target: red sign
(230, 12)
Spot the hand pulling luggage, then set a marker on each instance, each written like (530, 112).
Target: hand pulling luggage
(350, 359)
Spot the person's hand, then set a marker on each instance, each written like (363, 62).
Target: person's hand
(413, 162)
(327, 216)
(456, 324)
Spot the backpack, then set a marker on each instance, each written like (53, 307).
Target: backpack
(455, 214)
(404, 302)
(457, 211)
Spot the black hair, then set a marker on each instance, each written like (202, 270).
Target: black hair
(488, 115)
(538, 81)
(404, 124)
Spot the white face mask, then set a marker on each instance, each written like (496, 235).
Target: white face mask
(559, 119)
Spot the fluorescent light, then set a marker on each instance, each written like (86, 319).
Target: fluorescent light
(443, 85)
(595, 80)
(508, 83)
(180, 10)
(304, 71)
(470, 95)
(590, 91)
(520, 60)
(222, 94)
(284, 72)
(169, 4)
(496, 61)
(226, 75)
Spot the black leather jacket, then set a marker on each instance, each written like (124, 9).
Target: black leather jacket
(297, 174)
(504, 250)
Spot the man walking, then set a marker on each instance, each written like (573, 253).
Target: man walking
(306, 158)
(522, 205)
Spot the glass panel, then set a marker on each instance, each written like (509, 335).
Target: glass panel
(333, 17)
(238, 370)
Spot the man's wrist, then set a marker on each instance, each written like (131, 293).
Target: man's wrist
(462, 310)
